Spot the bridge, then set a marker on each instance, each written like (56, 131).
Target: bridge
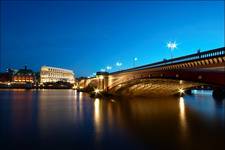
(167, 77)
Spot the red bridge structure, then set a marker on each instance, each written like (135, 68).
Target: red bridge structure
(168, 77)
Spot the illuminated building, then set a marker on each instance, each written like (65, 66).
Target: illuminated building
(24, 75)
(53, 74)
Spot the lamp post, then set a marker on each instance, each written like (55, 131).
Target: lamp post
(108, 68)
(119, 64)
(171, 46)
(93, 74)
(134, 61)
(102, 70)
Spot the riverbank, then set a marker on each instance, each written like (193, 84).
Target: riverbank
(28, 85)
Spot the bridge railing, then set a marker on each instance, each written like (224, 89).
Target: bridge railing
(197, 56)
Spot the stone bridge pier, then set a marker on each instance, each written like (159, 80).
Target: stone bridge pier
(102, 80)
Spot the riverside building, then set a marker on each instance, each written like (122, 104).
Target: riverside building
(53, 74)
(24, 76)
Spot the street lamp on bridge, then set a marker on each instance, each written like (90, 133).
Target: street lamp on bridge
(102, 70)
(171, 45)
(134, 61)
(108, 68)
(119, 64)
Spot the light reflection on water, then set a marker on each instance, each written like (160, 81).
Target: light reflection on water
(97, 118)
(183, 116)
(182, 111)
(61, 119)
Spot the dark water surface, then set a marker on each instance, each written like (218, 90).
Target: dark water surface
(66, 119)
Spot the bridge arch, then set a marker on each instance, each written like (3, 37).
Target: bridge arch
(153, 87)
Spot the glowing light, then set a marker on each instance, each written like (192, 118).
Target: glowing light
(102, 70)
(97, 103)
(119, 64)
(135, 60)
(97, 91)
(113, 101)
(172, 45)
(75, 87)
(80, 95)
(181, 82)
(182, 106)
(181, 91)
(75, 94)
(9, 83)
(97, 118)
(108, 67)
(183, 121)
(101, 77)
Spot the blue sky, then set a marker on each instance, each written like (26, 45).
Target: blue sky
(87, 36)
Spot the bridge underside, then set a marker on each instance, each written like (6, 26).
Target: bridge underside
(152, 87)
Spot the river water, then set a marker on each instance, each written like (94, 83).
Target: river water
(66, 119)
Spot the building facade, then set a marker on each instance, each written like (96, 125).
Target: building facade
(53, 74)
(24, 76)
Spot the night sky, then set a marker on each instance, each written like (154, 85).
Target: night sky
(88, 36)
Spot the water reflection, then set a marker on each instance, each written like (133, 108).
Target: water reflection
(182, 112)
(97, 118)
(21, 111)
(81, 95)
(183, 120)
(67, 118)
(206, 106)
(80, 105)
